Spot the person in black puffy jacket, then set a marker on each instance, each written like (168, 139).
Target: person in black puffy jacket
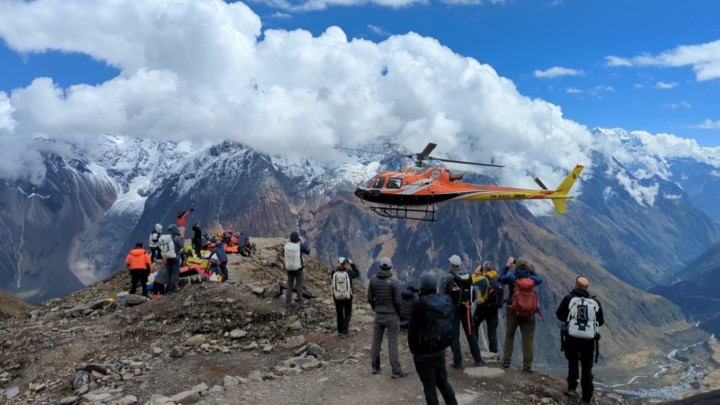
(408, 299)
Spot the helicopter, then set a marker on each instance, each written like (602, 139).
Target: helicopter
(415, 192)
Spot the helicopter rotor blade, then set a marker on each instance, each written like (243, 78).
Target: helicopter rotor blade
(540, 183)
(428, 149)
(464, 162)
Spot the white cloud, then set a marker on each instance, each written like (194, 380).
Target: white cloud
(556, 71)
(378, 30)
(280, 15)
(703, 58)
(573, 90)
(708, 124)
(665, 86)
(195, 70)
(315, 5)
(675, 106)
(672, 196)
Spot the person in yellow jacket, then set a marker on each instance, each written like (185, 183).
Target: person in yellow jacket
(489, 295)
(139, 264)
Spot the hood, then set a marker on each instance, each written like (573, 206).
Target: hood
(407, 295)
(137, 252)
(382, 273)
(158, 228)
(579, 292)
(521, 273)
(173, 229)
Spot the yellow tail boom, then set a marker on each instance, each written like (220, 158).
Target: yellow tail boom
(561, 193)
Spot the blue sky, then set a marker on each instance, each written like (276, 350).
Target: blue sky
(520, 82)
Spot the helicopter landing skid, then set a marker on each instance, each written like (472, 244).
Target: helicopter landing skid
(426, 213)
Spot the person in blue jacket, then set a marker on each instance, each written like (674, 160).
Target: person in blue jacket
(222, 259)
(521, 269)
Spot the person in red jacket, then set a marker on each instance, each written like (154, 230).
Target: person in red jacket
(182, 219)
(138, 262)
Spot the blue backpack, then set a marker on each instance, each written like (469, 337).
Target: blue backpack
(438, 332)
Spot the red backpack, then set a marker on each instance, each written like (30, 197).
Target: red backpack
(525, 301)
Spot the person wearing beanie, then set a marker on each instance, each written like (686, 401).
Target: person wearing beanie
(429, 360)
(489, 293)
(294, 265)
(139, 264)
(384, 298)
(153, 243)
(522, 270)
(457, 284)
(343, 307)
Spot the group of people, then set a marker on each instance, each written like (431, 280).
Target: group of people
(443, 305)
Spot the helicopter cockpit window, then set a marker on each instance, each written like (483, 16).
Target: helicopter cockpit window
(394, 182)
(378, 183)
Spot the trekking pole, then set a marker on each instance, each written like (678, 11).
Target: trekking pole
(469, 322)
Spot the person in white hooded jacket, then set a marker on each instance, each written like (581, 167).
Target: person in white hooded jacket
(153, 243)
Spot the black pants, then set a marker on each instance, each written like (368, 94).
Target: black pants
(344, 312)
(433, 374)
(197, 246)
(224, 271)
(139, 276)
(489, 315)
(580, 351)
(461, 318)
(155, 254)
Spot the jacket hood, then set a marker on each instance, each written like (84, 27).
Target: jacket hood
(520, 273)
(579, 292)
(384, 273)
(173, 229)
(137, 252)
(407, 295)
(158, 228)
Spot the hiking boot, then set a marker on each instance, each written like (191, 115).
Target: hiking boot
(376, 370)
(527, 370)
(457, 366)
(401, 374)
(480, 363)
(571, 393)
(506, 364)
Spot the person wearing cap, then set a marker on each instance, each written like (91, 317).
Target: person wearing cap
(139, 264)
(384, 298)
(580, 350)
(296, 278)
(453, 284)
(522, 269)
(429, 358)
(343, 308)
(485, 312)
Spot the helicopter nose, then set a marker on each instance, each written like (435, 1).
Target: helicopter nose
(360, 193)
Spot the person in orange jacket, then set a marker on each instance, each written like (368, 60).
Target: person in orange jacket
(182, 219)
(138, 262)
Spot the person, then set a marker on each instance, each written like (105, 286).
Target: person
(458, 286)
(182, 219)
(197, 240)
(153, 243)
(173, 264)
(522, 270)
(580, 349)
(384, 297)
(244, 245)
(294, 265)
(489, 299)
(218, 254)
(342, 293)
(139, 264)
(429, 354)
(408, 300)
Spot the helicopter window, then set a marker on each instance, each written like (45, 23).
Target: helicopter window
(394, 182)
(378, 183)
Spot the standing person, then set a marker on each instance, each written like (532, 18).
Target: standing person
(173, 263)
(219, 254)
(458, 286)
(430, 332)
(343, 275)
(294, 264)
(409, 298)
(138, 262)
(197, 239)
(153, 243)
(384, 298)
(490, 294)
(521, 282)
(182, 219)
(582, 315)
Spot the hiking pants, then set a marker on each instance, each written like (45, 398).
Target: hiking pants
(139, 276)
(173, 271)
(433, 373)
(344, 312)
(296, 280)
(580, 350)
(461, 318)
(527, 333)
(155, 254)
(389, 322)
(197, 246)
(224, 271)
(490, 316)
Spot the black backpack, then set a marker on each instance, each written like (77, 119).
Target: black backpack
(496, 295)
(461, 293)
(438, 332)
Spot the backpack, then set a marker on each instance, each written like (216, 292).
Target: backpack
(167, 247)
(525, 301)
(292, 256)
(154, 236)
(463, 293)
(582, 322)
(437, 333)
(496, 293)
(341, 287)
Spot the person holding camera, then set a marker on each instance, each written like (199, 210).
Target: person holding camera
(342, 276)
